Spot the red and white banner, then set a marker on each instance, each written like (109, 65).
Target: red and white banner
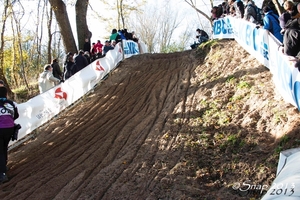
(40, 109)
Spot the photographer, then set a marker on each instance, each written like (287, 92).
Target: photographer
(201, 36)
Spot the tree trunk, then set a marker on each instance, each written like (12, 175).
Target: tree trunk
(62, 18)
(49, 24)
(81, 24)
(278, 7)
(4, 18)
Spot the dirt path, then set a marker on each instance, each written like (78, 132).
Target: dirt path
(140, 135)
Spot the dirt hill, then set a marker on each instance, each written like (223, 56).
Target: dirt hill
(189, 125)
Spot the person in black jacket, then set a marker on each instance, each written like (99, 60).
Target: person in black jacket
(291, 38)
(87, 45)
(9, 112)
(201, 36)
(57, 73)
(80, 61)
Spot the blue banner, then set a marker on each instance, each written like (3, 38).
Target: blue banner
(266, 49)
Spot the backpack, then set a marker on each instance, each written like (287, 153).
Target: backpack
(258, 11)
(14, 113)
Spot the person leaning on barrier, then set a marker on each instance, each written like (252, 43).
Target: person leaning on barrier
(107, 47)
(271, 23)
(239, 8)
(47, 80)
(9, 112)
(250, 12)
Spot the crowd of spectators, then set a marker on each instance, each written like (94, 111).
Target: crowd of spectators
(74, 62)
(285, 27)
(290, 28)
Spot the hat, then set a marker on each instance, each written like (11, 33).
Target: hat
(46, 67)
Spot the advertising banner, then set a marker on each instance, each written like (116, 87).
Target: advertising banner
(43, 107)
(267, 50)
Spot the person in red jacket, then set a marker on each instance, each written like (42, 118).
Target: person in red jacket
(98, 47)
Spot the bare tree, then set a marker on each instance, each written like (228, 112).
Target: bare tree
(167, 24)
(146, 29)
(193, 5)
(5, 16)
(157, 27)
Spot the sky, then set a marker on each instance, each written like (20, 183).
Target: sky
(98, 29)
(191, 20)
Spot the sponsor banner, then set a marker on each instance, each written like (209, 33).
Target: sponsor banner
(130, 48)
(222, 29)
(267, 50)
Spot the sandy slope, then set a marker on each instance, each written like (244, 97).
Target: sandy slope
(162, 126)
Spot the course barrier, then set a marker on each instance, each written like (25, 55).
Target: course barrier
(43, 107)
(267, 50)
(286, 77)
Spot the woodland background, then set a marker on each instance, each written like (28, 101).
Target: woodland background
(33, 32)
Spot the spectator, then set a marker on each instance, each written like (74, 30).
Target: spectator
(114, 35)
(250, 12)
(271, 23)
(70, 68)
(113, 43)
(134, 37)
(98, 49)
(87, 56)
(201, 36)
(80, 61)
(292, 8)
(93, 52)
(57, 73)
(127, 35)
(87, 45)
(238, 7)
(225, 7)
(216, 12)
(46, 79)
(283, 19)
(291, 40)
(121, 36)
(107, 47)
(9, 113)
(232, 11)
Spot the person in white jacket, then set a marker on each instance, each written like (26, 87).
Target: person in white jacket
(47, 80)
